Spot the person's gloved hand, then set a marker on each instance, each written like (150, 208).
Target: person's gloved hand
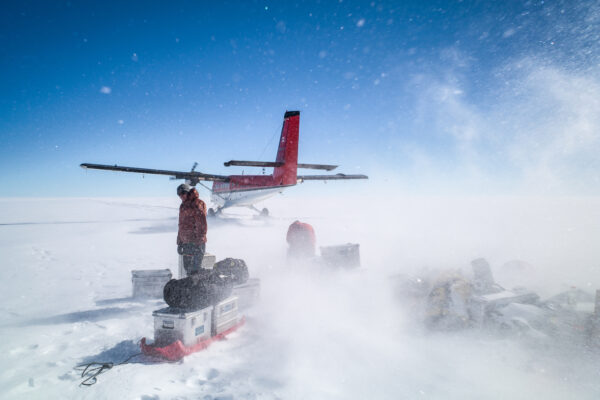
(180, 249)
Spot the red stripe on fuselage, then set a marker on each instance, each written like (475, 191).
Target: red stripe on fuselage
(245, 182)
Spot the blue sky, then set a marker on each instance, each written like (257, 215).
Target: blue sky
(424, 97)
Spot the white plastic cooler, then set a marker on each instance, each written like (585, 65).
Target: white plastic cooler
(225, 315)
(172, 324)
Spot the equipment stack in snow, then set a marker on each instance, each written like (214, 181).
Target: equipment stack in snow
(203, 307)
(450, 300)
(232, 272)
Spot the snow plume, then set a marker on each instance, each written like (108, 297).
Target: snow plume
(555, 125)
(344, 333)
(533, 128)
(316, 333)
(316, 323)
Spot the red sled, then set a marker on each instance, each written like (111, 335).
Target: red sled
(177, 350)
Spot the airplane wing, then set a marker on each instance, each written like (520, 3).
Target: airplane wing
(192, 176)
(241, 163)
(252, 163)
(302, 178)
(318, 166)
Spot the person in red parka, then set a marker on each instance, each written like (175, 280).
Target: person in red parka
(301, 240)
(191, 238)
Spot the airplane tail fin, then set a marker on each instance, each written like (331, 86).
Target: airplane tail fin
(288, 150)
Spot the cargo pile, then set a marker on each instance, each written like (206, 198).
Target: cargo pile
(450, 300)
(203, 307)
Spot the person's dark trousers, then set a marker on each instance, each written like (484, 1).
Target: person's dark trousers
(192, 257)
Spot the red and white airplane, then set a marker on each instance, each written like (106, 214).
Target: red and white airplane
(246, 190)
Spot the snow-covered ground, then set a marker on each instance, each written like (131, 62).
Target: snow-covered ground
(66, 286)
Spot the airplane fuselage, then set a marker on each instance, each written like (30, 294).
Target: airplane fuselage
(245, 190)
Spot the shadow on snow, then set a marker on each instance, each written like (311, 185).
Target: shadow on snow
(95, 315)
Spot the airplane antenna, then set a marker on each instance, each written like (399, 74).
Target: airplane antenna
(268, 143)
(194, 166)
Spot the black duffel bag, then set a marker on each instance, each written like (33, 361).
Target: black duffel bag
(234, 270)
(184, 293)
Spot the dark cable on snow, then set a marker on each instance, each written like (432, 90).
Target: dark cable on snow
(92, 370)
(90, 373)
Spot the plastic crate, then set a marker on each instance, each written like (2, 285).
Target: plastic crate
(343, 256)
(172, 324)
(225, 315)
(150, 283)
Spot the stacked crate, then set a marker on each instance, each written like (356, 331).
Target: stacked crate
(150, 283)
